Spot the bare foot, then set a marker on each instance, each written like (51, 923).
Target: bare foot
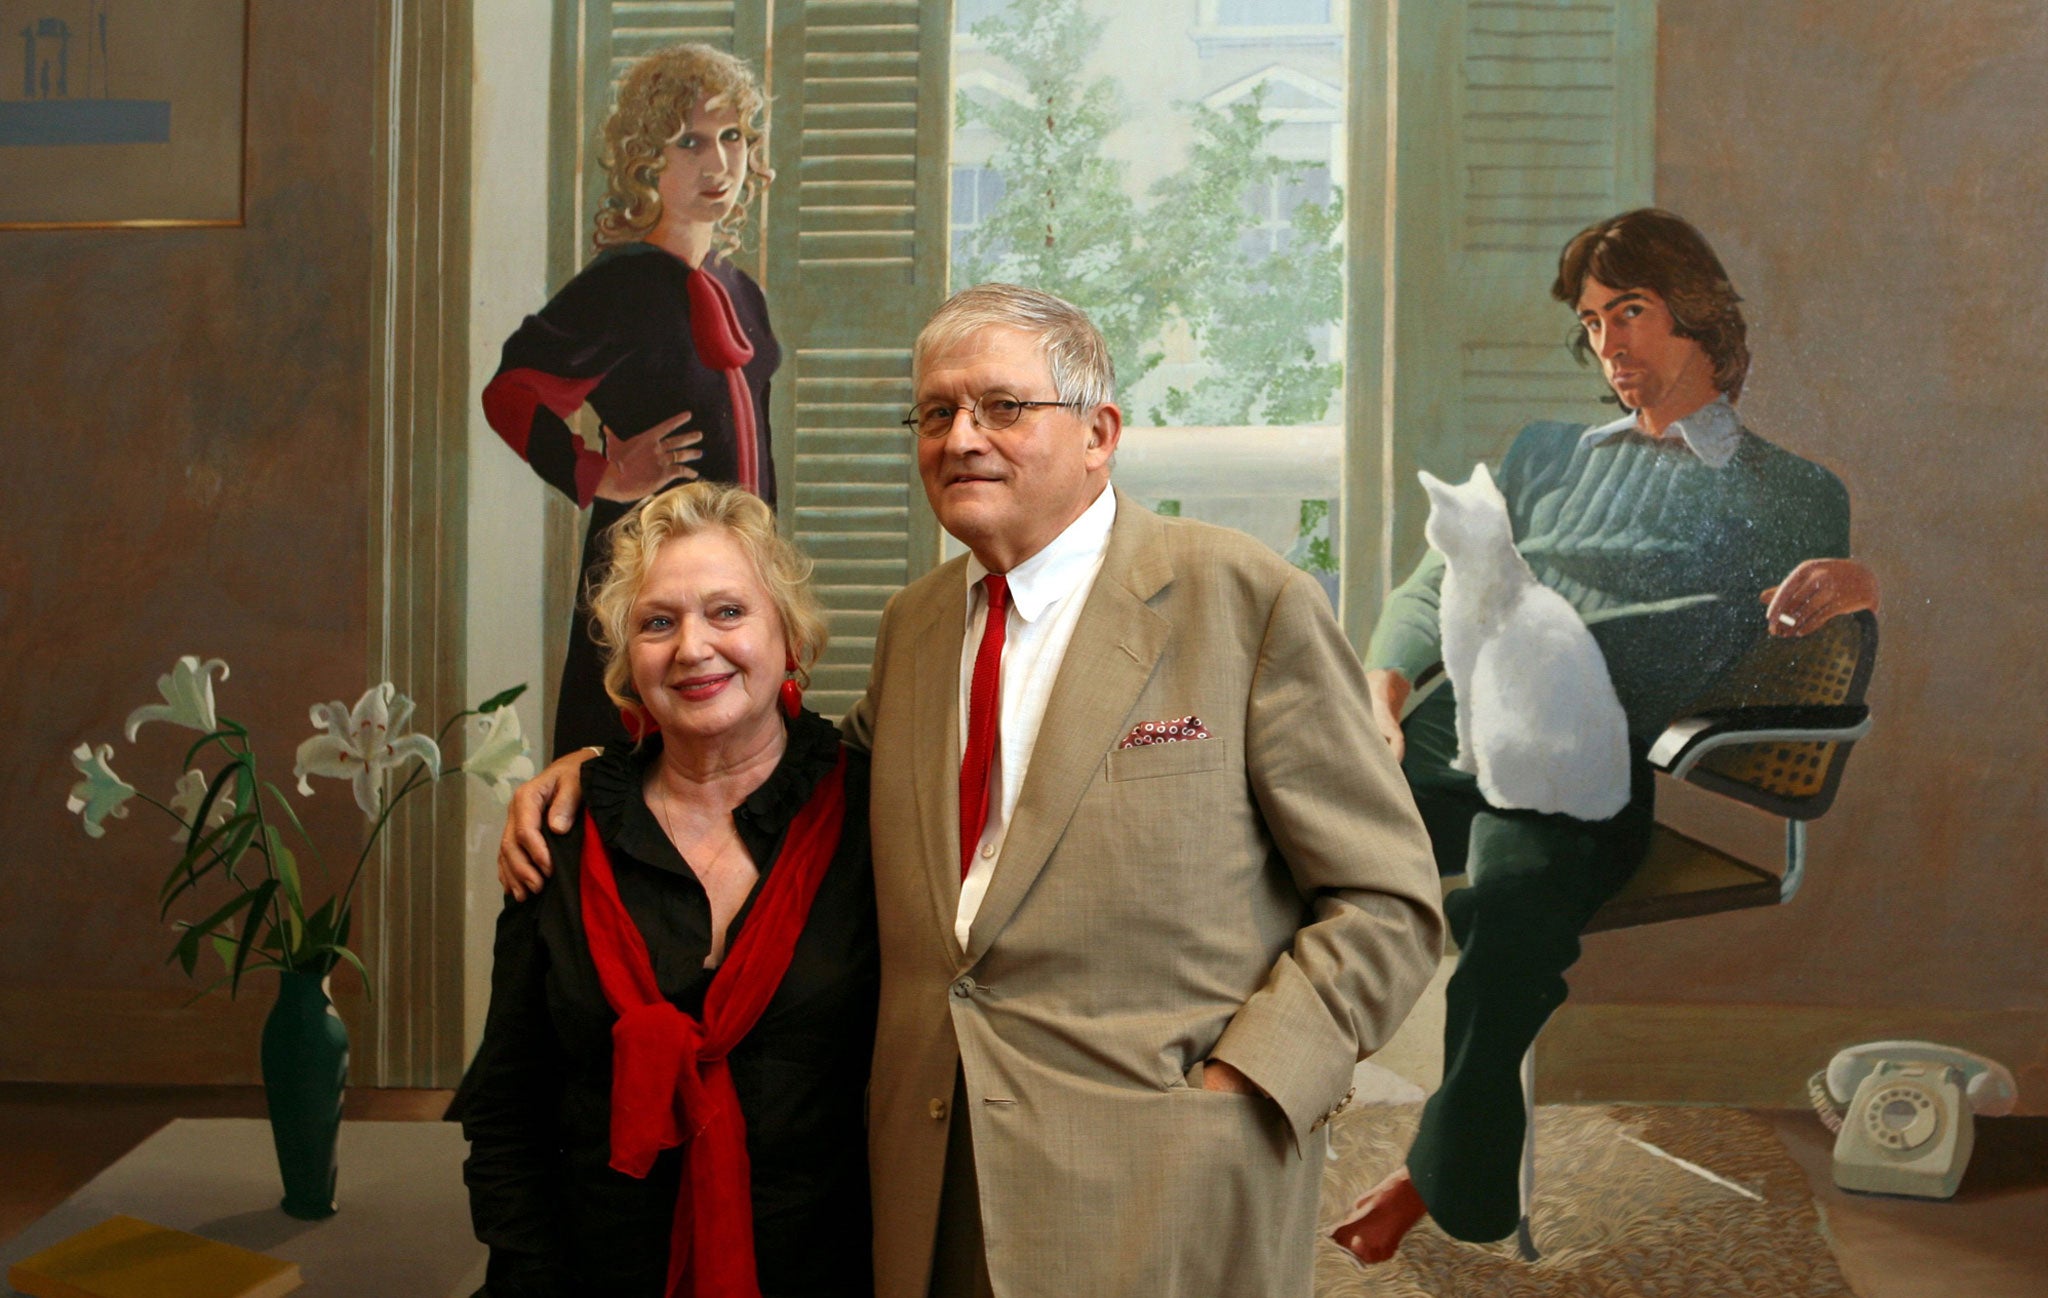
(1387, 1213)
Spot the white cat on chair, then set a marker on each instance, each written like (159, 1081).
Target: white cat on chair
(1538, 721)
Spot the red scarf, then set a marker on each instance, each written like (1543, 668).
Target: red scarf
(723, 345)
(670, 1081)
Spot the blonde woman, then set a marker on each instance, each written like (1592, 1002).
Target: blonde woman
(668, 1097)
(660, 335)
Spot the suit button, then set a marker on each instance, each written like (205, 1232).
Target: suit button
(938, 1110)
(963, 988)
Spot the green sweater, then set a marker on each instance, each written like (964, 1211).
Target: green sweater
(1631, 521)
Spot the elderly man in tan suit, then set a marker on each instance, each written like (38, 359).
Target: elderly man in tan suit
(1150, 884)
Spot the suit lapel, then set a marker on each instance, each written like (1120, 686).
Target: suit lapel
(935, 731)
(1116, 643)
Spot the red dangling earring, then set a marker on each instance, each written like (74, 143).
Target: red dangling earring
(792, 690)
(636, 721)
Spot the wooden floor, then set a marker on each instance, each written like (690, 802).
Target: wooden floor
(1991, 1241)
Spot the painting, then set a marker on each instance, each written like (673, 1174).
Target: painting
(124, 113)
(1867, 172)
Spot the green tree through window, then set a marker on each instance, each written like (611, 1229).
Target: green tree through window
(1066, 223)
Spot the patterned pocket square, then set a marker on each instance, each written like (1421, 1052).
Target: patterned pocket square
(1165, 732)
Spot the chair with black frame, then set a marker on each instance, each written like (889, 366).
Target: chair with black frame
(1774, 734)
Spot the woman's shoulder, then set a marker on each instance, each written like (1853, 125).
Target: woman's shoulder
(609, 296)
(626, 269)
(565, 848)
(746, 294)
(719, 261)
(634, 258)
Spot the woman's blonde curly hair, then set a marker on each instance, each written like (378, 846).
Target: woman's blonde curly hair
(655, 99)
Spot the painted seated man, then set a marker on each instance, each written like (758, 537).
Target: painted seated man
(1682, 537)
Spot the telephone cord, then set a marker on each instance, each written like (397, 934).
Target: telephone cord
(1823, 1103)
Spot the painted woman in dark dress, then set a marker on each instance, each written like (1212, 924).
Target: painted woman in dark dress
(660, 335)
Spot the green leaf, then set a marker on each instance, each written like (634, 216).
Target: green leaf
(319, 926)
(369, 988)
(186, 952)
(225, 949)
(258, 908)
(253, 966)
(238, 845)
(214, 788)
(501, 698)
(283, 804)
(229, 729)
(183, 875)
(285, 867)
(245, 787)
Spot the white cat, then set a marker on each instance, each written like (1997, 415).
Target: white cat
(1538, 721)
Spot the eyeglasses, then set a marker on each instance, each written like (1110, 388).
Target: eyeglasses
(994, 411)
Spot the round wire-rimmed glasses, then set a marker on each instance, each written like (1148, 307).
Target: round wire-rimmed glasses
(993, 411)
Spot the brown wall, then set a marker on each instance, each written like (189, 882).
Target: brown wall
(1873, 177)
(187, 417)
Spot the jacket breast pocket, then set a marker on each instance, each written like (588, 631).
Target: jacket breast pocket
(1151, 761)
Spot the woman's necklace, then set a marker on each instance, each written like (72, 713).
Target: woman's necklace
(723, 869)
(711, 859)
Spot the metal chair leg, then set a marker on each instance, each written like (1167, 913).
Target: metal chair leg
(1525, 1238)
(1795, 860)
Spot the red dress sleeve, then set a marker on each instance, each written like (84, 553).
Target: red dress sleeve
(549, 368)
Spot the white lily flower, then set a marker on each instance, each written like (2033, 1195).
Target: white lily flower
(362, 743)
(498, 756)
(101, 793)
(188, 697)
(191, 791)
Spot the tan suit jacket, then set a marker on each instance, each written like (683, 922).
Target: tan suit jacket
(1265, 897)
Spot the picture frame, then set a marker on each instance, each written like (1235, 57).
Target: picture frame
(123, 113)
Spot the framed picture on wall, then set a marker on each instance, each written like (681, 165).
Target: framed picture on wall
(122, 112)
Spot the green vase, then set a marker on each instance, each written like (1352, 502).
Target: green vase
(305, 1066)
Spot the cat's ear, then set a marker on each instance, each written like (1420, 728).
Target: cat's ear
(1482, 480)
(1435, 486)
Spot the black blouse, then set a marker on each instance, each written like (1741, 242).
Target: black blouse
(536, 1103)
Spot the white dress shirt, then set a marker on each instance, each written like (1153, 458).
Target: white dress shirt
(1047, 592)
(1713, 432)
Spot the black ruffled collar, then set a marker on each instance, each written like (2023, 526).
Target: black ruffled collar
(613, 784)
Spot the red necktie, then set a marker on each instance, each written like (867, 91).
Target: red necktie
(984, 719)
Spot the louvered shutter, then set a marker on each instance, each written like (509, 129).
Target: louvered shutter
(1520, 122)
(856, 263)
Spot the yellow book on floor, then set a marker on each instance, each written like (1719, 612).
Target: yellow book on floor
(128, 1258)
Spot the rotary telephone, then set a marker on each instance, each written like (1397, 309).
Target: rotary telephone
(1907, 1128)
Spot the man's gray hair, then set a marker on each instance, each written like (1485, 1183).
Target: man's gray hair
(1071, 344)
